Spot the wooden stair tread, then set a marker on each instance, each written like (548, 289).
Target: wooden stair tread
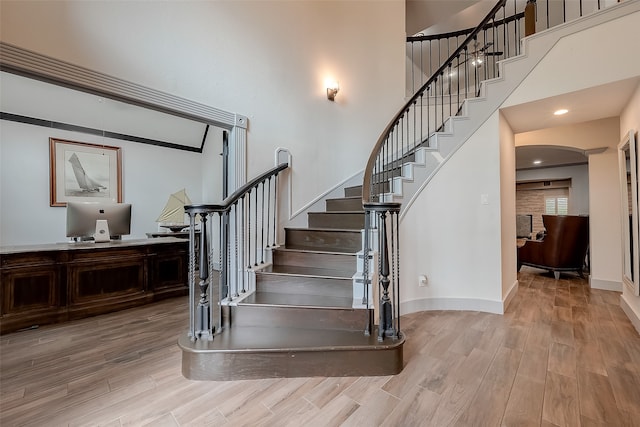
(340, 230)
(282, 339)
(347, 198)
(293, 270)
(297, 300)
(337, 213)
(254, 352)
(309, 251)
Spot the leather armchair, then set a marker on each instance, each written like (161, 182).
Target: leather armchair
(564, 247)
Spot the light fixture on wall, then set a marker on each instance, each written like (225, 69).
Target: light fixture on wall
(560, 112)
(332, 90)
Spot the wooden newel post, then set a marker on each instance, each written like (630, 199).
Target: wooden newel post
(530, 18)
(386, 326)
(203, 327)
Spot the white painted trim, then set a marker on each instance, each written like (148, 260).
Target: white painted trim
(237, 174)
(605, 285)
(21, 61)
(511, 293)
(633, 316)
(466, 304)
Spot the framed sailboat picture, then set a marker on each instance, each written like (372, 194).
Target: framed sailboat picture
(82, 172)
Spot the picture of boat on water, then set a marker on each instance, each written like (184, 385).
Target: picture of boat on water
(86, 175)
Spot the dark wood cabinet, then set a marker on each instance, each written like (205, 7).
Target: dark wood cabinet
(53, 283)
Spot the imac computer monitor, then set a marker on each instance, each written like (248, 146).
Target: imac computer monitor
(98, 221)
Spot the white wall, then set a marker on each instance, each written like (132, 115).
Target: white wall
(604, 220)
(579, 191)
(267, 60)
(452, 237)
(460, 244)
(630, 119)
(580, 71)
(149, 175)
(508, 211)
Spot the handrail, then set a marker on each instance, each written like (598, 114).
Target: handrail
(368, 173)
(240, 192)
(236, 233)
(458, 33)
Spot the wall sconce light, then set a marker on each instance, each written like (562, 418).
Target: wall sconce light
(332, 91)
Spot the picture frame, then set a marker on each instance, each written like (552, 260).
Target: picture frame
(83, 172)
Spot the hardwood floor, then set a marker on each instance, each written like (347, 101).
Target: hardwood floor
(562, 355)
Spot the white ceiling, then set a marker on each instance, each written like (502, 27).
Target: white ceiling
(586, 105)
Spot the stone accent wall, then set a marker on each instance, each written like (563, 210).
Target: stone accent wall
(532, 202)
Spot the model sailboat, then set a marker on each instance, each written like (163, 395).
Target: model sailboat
(172, 216)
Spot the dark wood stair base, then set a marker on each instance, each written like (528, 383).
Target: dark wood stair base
(300, 321)
(262, 352)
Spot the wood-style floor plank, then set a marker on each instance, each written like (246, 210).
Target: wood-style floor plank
(562, 355)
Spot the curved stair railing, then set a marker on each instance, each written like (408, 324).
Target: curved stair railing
(439, 98)
(427, 52)
(470, 57)
(236, 233)
(424, 114)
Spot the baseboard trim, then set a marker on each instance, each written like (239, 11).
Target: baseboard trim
(511, 293)
(633, 316)
(454, 304)
(605, 285)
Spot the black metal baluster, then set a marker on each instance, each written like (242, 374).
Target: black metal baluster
(430, 54)
(415, 127)
(268, 209)
(475, 70)
(249, 229)
(365, 270)
(450, 101)
(428, 117)
(275, 210)
(222, 274)
(486, 62)
(505, 36)
(441, 98)
(243, 214)
(235, 245)
(413, 80)
(439, 53)
(255, 228)
(466, 70)
(421, 117)
(458, 81)
(547, 14)
(421, 64)
(262, 246)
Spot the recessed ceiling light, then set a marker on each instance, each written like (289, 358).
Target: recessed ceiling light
(560, 112)
(537, 162)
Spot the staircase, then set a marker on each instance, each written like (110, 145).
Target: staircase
(304, 318)
(303, 313)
